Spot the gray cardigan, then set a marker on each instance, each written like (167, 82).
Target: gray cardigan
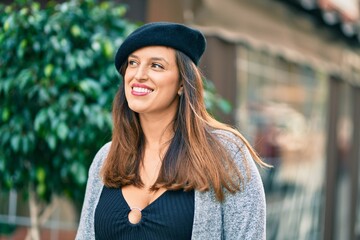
(240, 216)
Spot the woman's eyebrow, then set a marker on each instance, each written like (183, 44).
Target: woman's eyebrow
(152, 58)
(159, 59)
(133, 56)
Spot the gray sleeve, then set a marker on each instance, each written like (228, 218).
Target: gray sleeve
(94, 186)
(244, 213)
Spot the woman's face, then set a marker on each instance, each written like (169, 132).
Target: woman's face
(152, 81)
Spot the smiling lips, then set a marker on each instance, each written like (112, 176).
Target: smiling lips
(141, 90)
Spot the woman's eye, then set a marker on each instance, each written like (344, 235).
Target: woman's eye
(131, 63)
(157, 65)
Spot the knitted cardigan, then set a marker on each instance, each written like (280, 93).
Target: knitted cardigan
(241, 216)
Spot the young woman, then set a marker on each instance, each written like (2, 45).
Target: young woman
(171, 171)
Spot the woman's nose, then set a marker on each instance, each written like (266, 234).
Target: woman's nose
(141, 73)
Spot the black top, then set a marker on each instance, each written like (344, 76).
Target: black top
(170, 216)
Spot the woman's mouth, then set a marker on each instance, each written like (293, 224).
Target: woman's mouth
(141, 91)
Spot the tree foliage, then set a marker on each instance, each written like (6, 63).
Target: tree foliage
(57, 82)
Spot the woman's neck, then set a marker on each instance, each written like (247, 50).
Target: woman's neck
(157, 130)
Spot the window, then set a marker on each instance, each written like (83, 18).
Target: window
(281, 109)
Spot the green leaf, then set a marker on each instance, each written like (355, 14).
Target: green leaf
(5, 136)
(23, 43)
(75, 30)
(7, 24)
(8, 9)
(24, 78)
(49, 68)
(40, 119)
(24, 11)
(15, 142)
(90, 87)
(2, 163)
(5, 114)
(79, 173)
(35, 6)
(120, 11)
(43, 95)
(51, 141)
(62, 131)
(25, 144)
(40, 174)
(41, 189)
(108, 49)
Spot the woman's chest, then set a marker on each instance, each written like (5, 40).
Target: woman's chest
(170, 216)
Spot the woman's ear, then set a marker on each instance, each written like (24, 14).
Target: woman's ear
(180, 91)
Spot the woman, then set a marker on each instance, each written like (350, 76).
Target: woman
(171, 170)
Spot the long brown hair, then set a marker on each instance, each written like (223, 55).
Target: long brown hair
(195, 159)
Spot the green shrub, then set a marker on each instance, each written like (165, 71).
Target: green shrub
(57, 82)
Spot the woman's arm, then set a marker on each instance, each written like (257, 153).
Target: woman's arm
(244, 213)
(93, 190)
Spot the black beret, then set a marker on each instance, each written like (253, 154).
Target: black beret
(178, 36)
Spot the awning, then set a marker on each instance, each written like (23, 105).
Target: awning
(347, 9)
(345, 13)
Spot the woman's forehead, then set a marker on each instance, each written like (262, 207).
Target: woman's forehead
(154, 52)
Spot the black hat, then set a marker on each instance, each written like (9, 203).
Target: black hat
(178, 36)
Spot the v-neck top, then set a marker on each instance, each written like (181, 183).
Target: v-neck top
(170, 216)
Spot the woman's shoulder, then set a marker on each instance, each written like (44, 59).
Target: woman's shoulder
(237, 148)
(103, 150)
(100, 156)
(222, 133)
(228, 139)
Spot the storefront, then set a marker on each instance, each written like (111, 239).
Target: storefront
(293, 81)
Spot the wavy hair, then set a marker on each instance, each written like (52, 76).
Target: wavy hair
(195, 159)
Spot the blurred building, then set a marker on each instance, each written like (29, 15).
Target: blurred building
(290, 68)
